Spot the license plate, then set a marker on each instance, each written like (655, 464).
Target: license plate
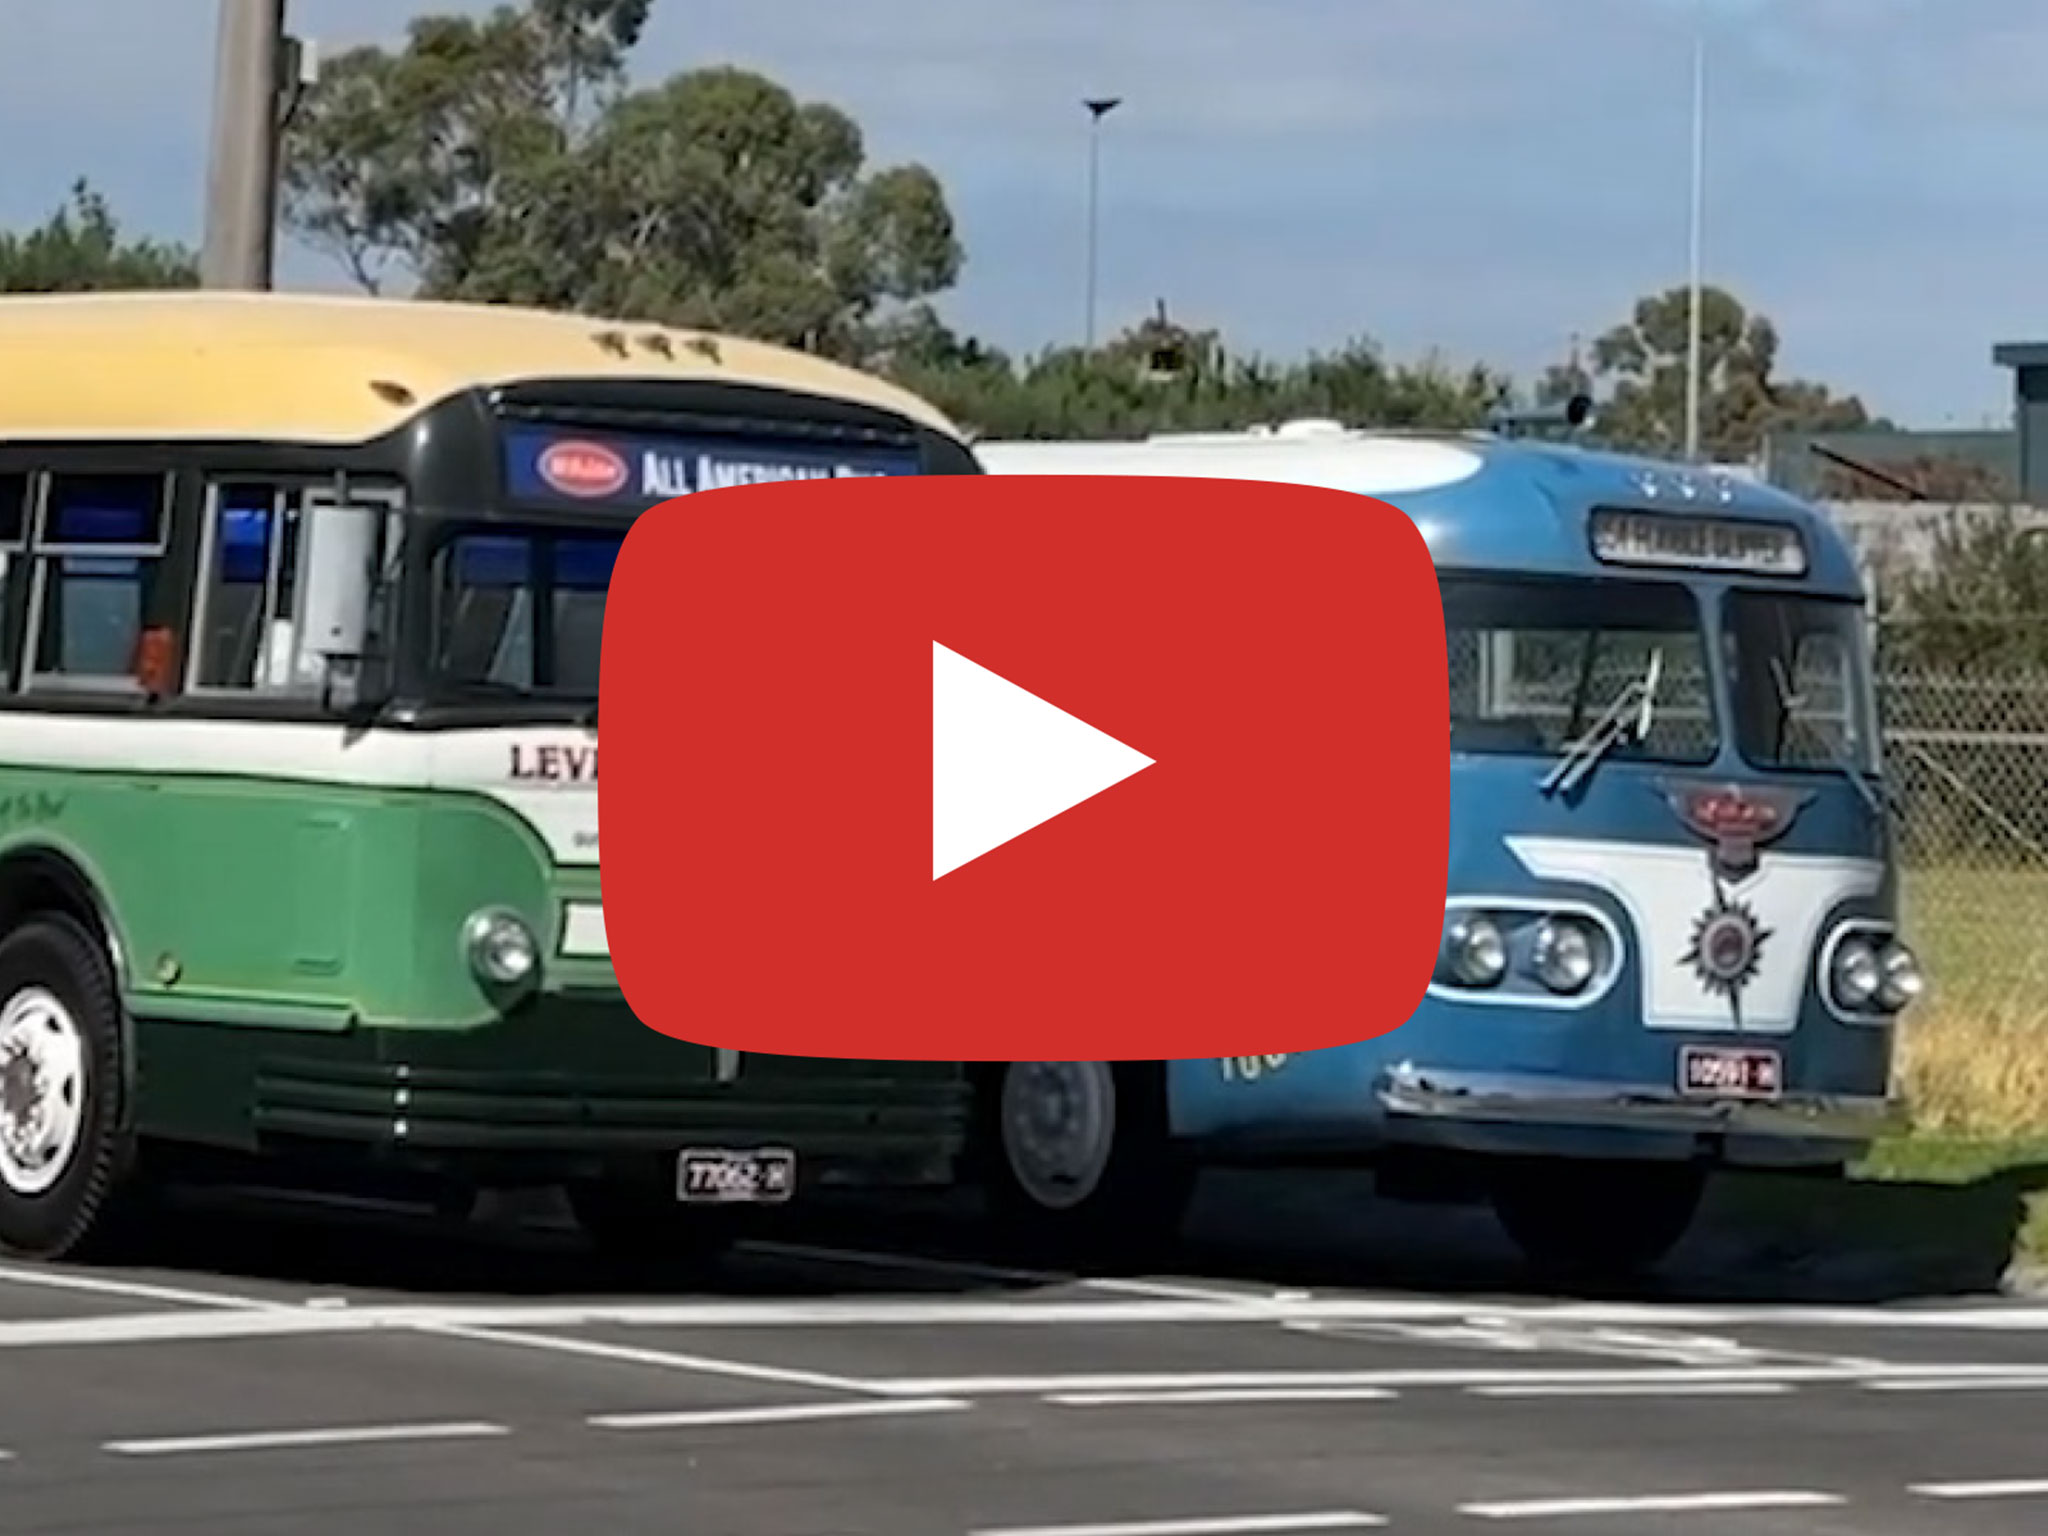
(718, 1176)
(1730, 1073)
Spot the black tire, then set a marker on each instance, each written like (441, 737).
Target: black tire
(640, 1224)
(76, 1212)
(1597, 1221)
(1125, 1202)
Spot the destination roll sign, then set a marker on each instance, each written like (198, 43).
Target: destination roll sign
(566, 466)
(1706, 543)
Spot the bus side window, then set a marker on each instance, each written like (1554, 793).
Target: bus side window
(98, 552)
(14, 494)
(248, 596)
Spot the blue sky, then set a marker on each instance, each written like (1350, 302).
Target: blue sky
(1485, 177)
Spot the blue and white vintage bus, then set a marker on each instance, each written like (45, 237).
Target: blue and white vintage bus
(1670, 938)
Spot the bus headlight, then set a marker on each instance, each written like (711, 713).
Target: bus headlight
(1901, 980)
(501, 948)
(1476, 951)
(1563, 957)
(1857, 976)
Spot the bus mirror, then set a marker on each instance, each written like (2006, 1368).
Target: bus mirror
(341, 574)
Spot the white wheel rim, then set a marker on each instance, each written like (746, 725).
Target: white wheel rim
(42, 1090)
(1059, 1127)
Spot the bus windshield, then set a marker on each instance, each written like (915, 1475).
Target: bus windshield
(1799, 669)
(1535, 661)
(521, 610)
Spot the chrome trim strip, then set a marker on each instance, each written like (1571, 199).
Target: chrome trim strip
(1873, 1018)
(1411, 1091)
(1542, 997)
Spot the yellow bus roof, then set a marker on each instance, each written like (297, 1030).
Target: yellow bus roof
(185, 364)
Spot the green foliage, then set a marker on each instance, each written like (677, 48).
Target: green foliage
(80, 249)
(1642, 367)
(1979, 602)
(1159, 377)
(501, 158)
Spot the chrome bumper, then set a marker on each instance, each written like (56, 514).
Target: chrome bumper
(1503, 1098)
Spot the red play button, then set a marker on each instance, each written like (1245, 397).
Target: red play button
(1005, 768)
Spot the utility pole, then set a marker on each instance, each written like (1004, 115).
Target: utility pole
(1098, 108)
(241, 178)
(1699, 176)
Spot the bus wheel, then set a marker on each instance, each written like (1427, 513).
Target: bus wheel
(642, 1224)
(1597, 1220)
(1082, 1165)
(62, 1150)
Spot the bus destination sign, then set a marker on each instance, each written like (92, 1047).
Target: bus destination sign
(1706, 543)
(604, 468)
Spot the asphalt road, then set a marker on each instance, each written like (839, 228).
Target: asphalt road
(280, 1369)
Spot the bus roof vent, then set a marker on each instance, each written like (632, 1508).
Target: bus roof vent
(1311, 426)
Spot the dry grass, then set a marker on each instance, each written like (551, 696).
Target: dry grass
(1976, 1071)
(1973, 1055)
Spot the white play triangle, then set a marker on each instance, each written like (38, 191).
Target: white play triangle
(1004, 760)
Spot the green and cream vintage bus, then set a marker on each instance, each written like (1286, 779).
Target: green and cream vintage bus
(303, 599)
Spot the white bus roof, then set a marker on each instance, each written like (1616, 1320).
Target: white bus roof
(1314, 453)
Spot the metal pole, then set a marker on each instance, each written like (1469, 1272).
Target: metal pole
(241, 178)
(1098, 109)
(1699, 165)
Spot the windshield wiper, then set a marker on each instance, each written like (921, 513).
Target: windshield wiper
(1626, 719)
(1878, 796)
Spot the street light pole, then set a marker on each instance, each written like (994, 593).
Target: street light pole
(1098, 108)
(241, 178)
(1699, 166)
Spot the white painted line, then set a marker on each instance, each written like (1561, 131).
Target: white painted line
(1177, 1290)
(2010, 1382)
(1640, 1379)
(1629, 1389)
(1649, 1504)
(282, 1439)
(871, 1313)
(786, 1413)
(131, 1290)
(863, 1258)
(1207, 1525)
(179, 1327)
(660, 1359)
(1158, 1290)
(2018, 1489)
(1223, 1395)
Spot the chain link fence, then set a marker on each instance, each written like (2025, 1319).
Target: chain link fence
(1967, 757)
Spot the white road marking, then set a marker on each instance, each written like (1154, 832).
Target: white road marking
(660, 1359)
(1223, 1395)
(970, 1270)
(785, 1413)
(1206, 1525)
(1138, 1381)
(1649, 1504)
(1511, 1334)
(1235, 1310)
(283, 1439)
(863, 1258)
(2028, 1488)
(1630, 1389)
(868, 1312)
(131, 1290)
(177, 1327)
(2013, 1380)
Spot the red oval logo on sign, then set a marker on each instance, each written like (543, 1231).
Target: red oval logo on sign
(583, 469)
